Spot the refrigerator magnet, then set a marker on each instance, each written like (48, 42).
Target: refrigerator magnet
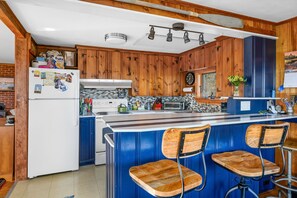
(69, 78)
(63, 87)
(43, 75)
(38, 88)
(50, 77)
(36, 73)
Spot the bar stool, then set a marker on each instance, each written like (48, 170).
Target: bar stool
(167, 178)
(247, 165)
(290, 146)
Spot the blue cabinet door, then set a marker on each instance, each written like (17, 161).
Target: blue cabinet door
(86, 141)
(259, 66)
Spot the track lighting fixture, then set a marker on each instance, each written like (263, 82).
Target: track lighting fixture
(151, 36)
(169, 36)
(201, 39)
(176, 27)
(186, 37)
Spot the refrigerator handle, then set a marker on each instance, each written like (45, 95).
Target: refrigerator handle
(76, 114)
(77, 88)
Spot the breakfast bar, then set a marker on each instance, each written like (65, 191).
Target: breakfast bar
(136, 139)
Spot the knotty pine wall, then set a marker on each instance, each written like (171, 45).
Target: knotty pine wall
(286, 42)
(7, 70)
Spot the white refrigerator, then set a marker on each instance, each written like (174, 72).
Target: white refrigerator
(53, 137)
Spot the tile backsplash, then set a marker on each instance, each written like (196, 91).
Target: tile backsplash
(103, 94)
(189, 99)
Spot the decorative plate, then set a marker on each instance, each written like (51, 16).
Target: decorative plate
(190, 78)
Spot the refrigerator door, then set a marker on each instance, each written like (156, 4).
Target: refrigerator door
(53, 141)
(53, 83)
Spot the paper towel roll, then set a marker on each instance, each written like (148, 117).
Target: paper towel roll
(188, 89)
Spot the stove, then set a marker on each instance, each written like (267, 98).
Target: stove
(103, 107)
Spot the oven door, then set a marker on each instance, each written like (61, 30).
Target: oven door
(100, 144)
(100, 156)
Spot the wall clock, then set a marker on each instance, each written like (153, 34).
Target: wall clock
(190, 78)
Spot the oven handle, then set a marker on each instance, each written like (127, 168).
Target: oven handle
(109, 140)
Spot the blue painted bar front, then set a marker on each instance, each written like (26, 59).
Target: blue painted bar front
(135, 148)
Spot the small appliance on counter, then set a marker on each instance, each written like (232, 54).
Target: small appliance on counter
(157, 104)
(2, 110)
(174, 106)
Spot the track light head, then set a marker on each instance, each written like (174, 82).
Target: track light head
(169, 36)
(151, 36)
(201, 39)
(186, 37)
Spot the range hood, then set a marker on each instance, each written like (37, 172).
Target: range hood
(105, 83)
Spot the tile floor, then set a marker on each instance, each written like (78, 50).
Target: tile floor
(88, 182)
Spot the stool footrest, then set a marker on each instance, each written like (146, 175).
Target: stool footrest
(276, 182)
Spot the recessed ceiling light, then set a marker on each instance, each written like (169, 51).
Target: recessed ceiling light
(48, 29)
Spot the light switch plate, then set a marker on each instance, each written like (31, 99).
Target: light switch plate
(245, 105)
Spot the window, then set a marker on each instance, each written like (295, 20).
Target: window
(208, 85)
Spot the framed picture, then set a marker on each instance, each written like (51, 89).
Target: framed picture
(6, 84)
(290, 79)
(69, 58)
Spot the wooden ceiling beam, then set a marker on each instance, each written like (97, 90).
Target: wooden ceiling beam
(11, 21)
(250, 24)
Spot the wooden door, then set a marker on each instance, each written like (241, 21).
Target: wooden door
(168, 75)
(200, 58)
(176, 76)
(160, 76)
(82, 62)
(130, 70)
(153, 64)
(144, 79)
(91, 66)
(102, 64)
(210, 55)
(114, 65)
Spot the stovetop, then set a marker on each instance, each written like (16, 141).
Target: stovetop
(107, 106)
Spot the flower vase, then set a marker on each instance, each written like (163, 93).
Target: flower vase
(236, 91)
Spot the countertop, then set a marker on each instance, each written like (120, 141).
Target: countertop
(154, 122)
(3, 122)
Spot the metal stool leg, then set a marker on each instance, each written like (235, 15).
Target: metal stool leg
(251, 191)
(289, 173)
(231, 190)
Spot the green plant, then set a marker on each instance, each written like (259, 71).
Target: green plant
(237, 80)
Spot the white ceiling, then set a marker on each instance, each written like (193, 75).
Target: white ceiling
(70, 22)
(7, 41)
(270, 10)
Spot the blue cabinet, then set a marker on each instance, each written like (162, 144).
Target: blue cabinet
(86, 140)
(259, 66)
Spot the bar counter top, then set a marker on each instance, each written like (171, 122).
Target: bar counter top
(154, 122)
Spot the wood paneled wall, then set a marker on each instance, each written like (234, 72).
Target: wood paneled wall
(286, 42)
(224, 56)
(152, 74)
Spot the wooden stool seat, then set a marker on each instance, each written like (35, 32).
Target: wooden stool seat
(291, 144)
(161, 178)
(244, 163)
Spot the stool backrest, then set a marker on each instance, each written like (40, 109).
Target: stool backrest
(184, 142)
(266, 136)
